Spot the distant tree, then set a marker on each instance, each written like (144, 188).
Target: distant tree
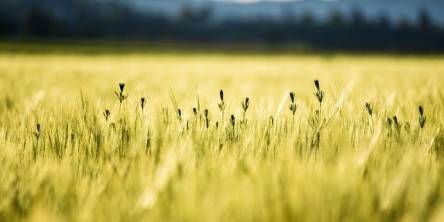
(307, 19)
(186, 12)
(189, 14)
(288, 15)
(383, 21)
(335, 18)
(424, 20)
(404, 24)
(358, 18)
(5, 26)
(39, 22)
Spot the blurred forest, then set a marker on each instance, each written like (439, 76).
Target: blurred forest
(87, 19)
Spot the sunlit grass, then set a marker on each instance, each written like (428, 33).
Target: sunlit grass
(77, 146)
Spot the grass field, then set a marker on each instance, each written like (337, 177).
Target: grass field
(65, 158)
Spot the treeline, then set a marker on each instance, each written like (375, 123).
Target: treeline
(113, 20)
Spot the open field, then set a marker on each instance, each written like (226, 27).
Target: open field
(65, 158)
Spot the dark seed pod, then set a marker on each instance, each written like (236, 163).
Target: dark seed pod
(37, 131)
(233, 120)
(246, 104)
(395, 121)
(120, 95)
(422, 118)
(195, 111)
(292, 97)
(221, 95)
(121, 86)
(369, 108)
(106, 114)
(142, 102)
(316, 82)
(207, 119)
(421, 110)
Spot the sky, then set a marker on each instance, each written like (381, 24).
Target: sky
(252, 1)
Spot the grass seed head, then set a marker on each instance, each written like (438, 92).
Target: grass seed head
(422, 118)
(179, 114)
(233, 120)
(221, 95)
(292, 97)
(121, 86)
(421, 110)
(37, 131)
(207, 118)
(369, 108)
(142, 102)
(106, 114)
(246, 104)
(221, 105)
(396, 123)
(316, 82)
(293, 106)
(120, 95)
(319, 93)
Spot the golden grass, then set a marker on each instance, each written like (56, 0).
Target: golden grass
(149, 166)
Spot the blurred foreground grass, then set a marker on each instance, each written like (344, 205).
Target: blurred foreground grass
(154, 165)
